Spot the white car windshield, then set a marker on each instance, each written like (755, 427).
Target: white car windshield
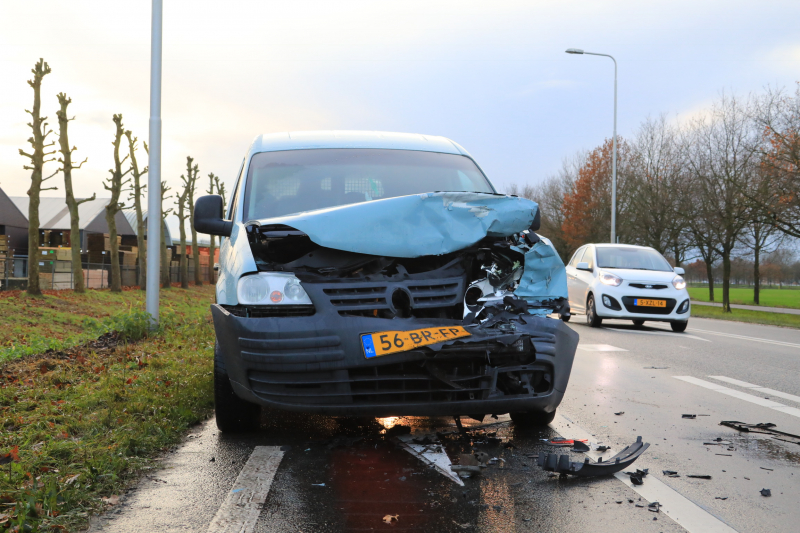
(292, 181)
(631, 258)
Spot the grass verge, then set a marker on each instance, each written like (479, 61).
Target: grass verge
(786, 297)
(746, 315)
(78, 425)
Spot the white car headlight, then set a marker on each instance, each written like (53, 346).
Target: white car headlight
(679, 283)
(271, 288)
(607, 278)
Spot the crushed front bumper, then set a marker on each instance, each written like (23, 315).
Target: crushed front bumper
(316, 364)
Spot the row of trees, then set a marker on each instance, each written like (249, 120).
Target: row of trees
(778, 268)
(42, 152)
(724, 182)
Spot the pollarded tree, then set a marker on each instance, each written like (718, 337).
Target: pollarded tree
(114, 185)
(38, 158)
(191, 184)
(165, 274)
(72, 203)
(180, 201)
(212, 180)
(137, 191)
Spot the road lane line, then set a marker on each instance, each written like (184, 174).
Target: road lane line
(743, 337)
(240, 510)
(682, 510)
(759, 388)
(763, 402)
(659, 333)
(600, 348)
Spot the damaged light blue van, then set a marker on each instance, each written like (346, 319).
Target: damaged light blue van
(381, 274)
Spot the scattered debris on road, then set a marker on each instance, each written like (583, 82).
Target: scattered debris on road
(699, 476)
(389, 518)
(764, 427)
(654, 507)
(561, 464)
(620, 413)
(563, 442)
(766, 492)
(720, 497)
(318, 484)
(670, 473)
(690, 417)
(637, 478)
(432, 455)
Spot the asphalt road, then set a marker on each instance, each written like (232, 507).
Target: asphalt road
(651, 375)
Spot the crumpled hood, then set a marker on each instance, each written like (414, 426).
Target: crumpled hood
(413, 226)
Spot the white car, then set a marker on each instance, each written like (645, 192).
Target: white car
(622, 281)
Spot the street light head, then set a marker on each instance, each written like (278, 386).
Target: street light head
(574, 51)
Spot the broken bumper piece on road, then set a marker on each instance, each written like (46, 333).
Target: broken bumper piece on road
(551, 462)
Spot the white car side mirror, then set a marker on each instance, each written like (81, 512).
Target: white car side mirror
(679, 271)
(583, 265)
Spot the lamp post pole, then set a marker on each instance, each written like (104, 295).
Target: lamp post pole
(614, 145)
(154, 169)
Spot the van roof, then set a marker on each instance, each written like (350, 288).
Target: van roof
(307, 140)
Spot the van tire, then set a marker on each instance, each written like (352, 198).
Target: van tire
(532, 418)
(234, 415)
(592, 319)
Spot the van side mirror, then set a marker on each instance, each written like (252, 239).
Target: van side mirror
(208, 216)
(583, 265)
(679, 271)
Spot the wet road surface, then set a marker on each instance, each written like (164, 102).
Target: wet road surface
(337, 474)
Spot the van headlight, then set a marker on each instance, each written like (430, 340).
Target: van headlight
(271, 288)
(679, 283)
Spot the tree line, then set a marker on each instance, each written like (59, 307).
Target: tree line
(722, 183)
(43, 151)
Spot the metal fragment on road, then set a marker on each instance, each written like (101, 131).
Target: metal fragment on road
(562, 464)
(430, 454)
(242, 507)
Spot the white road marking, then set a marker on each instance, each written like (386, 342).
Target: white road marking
(683, 511)
(240, 510)
(743, 337)
(758, 388)
(600, 348)
(660, 333)
(763, 402)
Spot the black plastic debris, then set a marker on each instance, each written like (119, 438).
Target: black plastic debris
(654, 507)
(699, 476)
(764, 427)
(764, 468)
(720, 497)
(690, 417)
(766, 492)
(637, 478)
(670, 473)
(560, 463)
(620, 413)
(603, 448)
(579, 446)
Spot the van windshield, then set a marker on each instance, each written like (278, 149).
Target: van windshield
(293, 181)
(632, 258)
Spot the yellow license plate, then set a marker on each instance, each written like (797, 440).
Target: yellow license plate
(644, 302)
(386, 342)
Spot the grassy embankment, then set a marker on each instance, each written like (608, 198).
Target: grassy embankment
(746, 315)
(769, 297)
(81, 422)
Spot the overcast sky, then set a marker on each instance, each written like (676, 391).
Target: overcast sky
(492, 76)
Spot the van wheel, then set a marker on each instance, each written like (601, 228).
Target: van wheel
(591, 313)
(532, 418)
(638, 323)
(679, 326)
(234, 415)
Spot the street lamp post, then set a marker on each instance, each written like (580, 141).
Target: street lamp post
(154, 169)
(614, 145)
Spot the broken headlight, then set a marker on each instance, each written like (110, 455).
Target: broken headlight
(679, 283)
(607, 278)
(271, 288)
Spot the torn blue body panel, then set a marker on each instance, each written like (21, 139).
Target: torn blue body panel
(414, 226)
(544, 276)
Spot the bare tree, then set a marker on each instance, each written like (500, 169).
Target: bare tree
(72, 204)
(38, 158)
(114, 185)
(137, 192)
(191, 184)
(212, 180)
(723, 165)
(166, 282)
(180, 201)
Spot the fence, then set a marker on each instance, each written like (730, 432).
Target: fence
(58, 275)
